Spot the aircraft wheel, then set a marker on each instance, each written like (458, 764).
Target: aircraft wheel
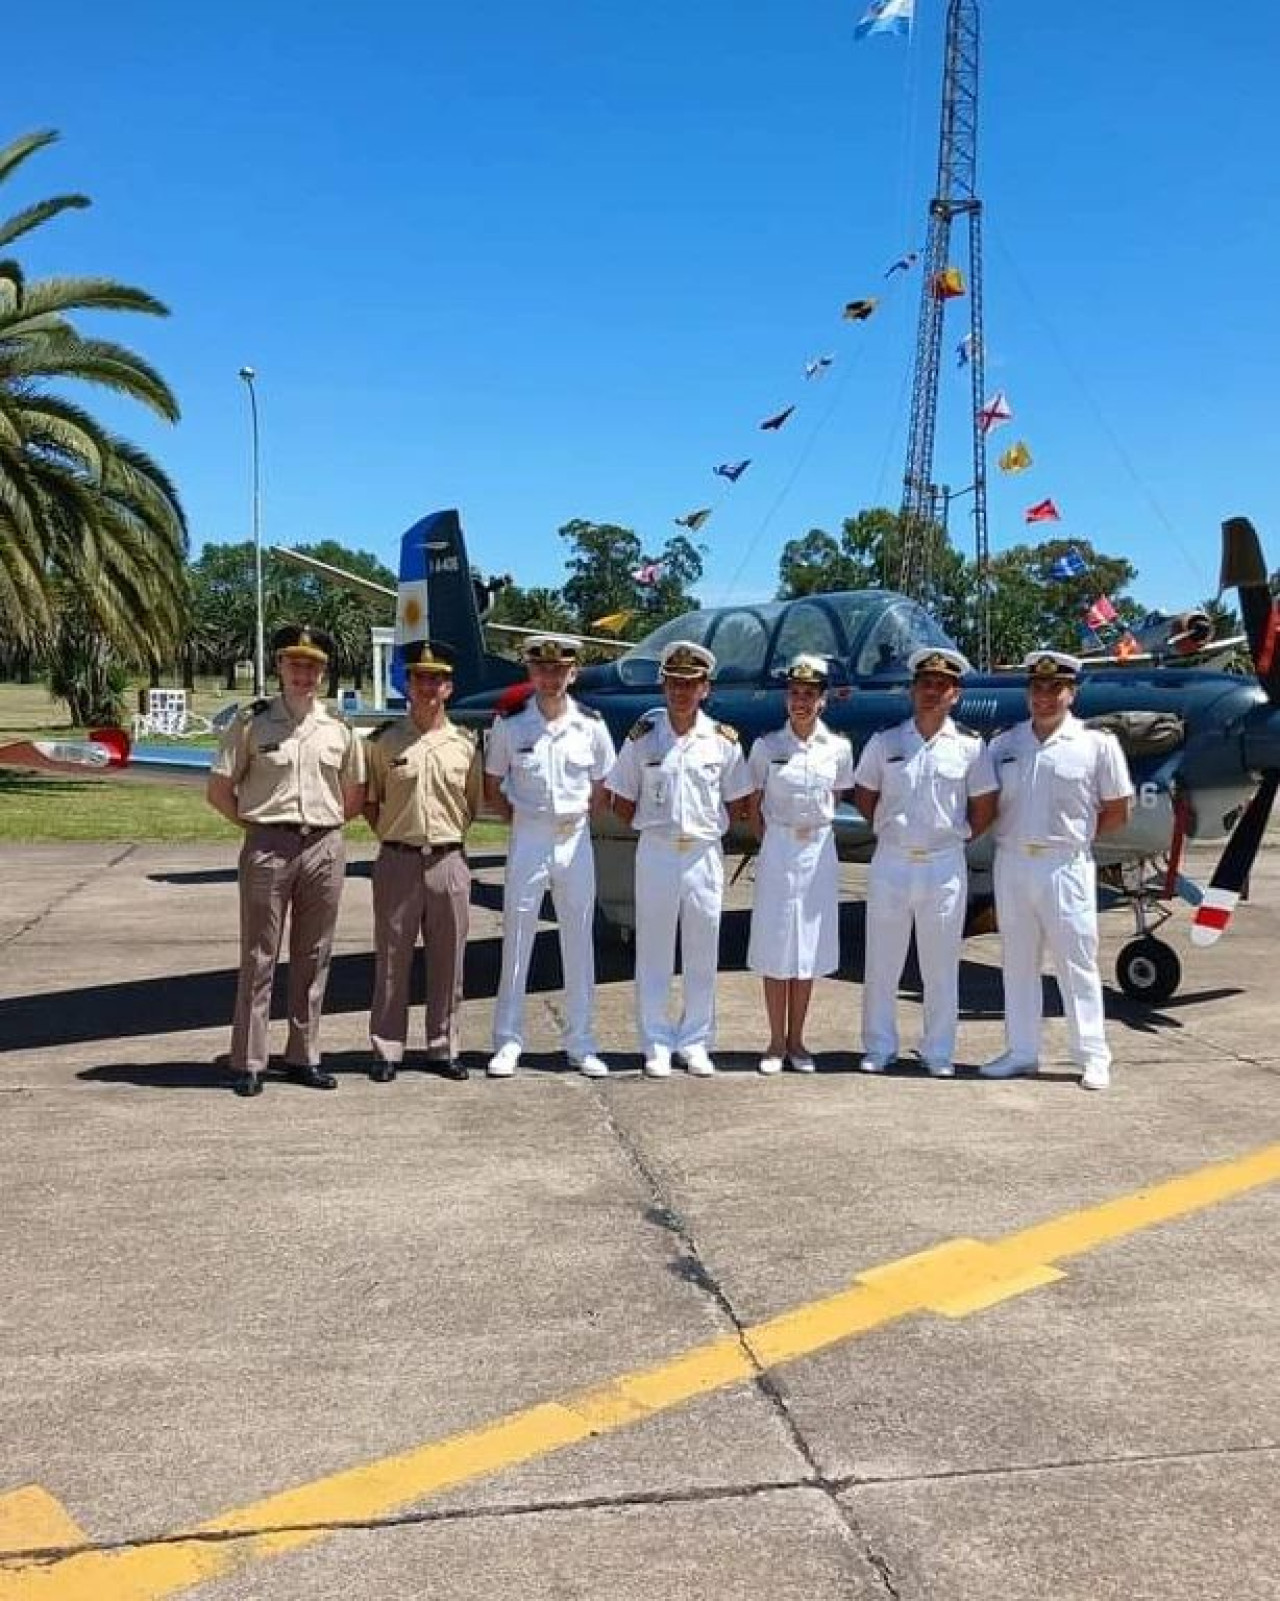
(1148, 970)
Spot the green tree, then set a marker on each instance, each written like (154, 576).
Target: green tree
(1031, 607)
(79, 504)
(602, 559)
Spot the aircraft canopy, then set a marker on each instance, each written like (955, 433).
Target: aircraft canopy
(865, 633)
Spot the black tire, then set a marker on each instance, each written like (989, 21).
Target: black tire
(1148, 970)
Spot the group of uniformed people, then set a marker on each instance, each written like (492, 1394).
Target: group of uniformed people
(291, 774)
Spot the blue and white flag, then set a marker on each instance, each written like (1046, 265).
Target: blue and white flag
(1072, 565)
(886, 16)
(732, 470)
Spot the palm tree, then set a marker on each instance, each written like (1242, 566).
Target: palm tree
(79, 504)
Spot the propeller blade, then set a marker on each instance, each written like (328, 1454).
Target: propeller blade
(1245, 570)
(1232, 872)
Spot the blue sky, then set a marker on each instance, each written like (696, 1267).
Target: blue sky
(543, 262)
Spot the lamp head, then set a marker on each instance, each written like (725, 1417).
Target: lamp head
(248, 374)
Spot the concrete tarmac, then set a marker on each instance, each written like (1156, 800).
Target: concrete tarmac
(209, 1301)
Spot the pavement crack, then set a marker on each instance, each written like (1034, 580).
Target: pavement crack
(31, 923)
(691, 1265)
(50, 1556)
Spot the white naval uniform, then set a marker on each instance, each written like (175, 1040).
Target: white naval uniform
(548, 770)
(795, 913)
(918, 877)
(681, 785)
(1045, 881)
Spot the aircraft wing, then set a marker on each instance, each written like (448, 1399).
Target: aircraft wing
(1165, 658)
(619, 645)
(335, 575)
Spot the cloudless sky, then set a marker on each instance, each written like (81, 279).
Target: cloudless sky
(558, 260)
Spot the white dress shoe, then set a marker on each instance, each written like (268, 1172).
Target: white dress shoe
(872, 1064)
(658, 1062)
(502, 1064)
(770, 1065)
(940, 1069)
(1096, 1076)
(801, 1062)
(590, 1065)
(1007, 1066)
(698, 1062)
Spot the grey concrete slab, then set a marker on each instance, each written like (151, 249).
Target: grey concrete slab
(1200, 1529)
(211, 1300)
(787, 1546)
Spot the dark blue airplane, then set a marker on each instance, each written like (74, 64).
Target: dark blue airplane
(1200, 743)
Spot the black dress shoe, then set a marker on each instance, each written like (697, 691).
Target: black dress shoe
(247, 1084)
(455, 1070)
(382, 1072)
(315, 1078)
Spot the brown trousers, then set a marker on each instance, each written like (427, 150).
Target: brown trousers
(285, 874)
(427, 893)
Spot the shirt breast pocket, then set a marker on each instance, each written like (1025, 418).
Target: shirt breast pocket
(1071, 778)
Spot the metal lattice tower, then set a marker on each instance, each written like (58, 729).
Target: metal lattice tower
(956, 196)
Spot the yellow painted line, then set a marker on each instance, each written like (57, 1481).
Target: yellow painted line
(954, 1279)
(31, 1520)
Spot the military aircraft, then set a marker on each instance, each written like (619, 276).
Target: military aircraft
(1197, 741)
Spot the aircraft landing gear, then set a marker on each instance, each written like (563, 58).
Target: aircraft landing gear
(1148, 970)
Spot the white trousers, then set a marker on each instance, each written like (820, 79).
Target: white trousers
(1050, 901)
(541, 858)
(684, 889)
(929, 896)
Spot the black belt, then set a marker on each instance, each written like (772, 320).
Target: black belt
(421, 850)
(303, 830)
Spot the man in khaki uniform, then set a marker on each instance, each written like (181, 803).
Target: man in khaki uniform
(290, 775)
(424, 791)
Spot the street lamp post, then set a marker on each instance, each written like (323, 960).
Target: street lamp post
(259, 638)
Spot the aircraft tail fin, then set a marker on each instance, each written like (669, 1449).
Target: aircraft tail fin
(440, 599)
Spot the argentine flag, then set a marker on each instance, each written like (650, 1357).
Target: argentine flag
(886, 16)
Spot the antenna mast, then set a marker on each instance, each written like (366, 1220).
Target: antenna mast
(924, 504)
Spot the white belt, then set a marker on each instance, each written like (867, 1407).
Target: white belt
(680, 843)
(1035, 847)
(561, 827)
(923, 853)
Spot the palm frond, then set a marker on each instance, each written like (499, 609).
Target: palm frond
(43, 211)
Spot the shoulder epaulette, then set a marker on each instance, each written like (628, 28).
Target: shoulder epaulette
(963, 728)
(255, 708)
(588, 711)
(726, 731)
(640, 728)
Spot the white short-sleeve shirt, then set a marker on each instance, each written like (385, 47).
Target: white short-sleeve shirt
(548, 769)
(681, 783)
(800, 778)
(1051, 790)
(924, 785)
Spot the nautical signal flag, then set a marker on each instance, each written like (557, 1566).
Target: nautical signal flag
(859, 310)
(964, 351)
(1016, 459)
(614, 622)
(732, 470)
(1044, 511)
(816, 367)
(694, 520)
(886, 16)
(1126, 646)
(1101, 613)
(1069, 565)
(648, 573)
(948, 284)
(996, 411)
(775, 422)
(903, 263)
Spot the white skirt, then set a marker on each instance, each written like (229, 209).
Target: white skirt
(795, 917)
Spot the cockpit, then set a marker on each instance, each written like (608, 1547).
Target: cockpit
(868, 633)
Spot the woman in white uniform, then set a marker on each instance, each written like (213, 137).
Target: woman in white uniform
(798, 772)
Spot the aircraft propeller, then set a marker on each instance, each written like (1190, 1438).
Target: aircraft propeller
(1245, 570)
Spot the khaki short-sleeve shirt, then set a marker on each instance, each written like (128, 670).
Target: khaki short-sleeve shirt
(426, 787)
(288, 770)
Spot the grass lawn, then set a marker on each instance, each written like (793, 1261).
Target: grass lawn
(38, 807)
